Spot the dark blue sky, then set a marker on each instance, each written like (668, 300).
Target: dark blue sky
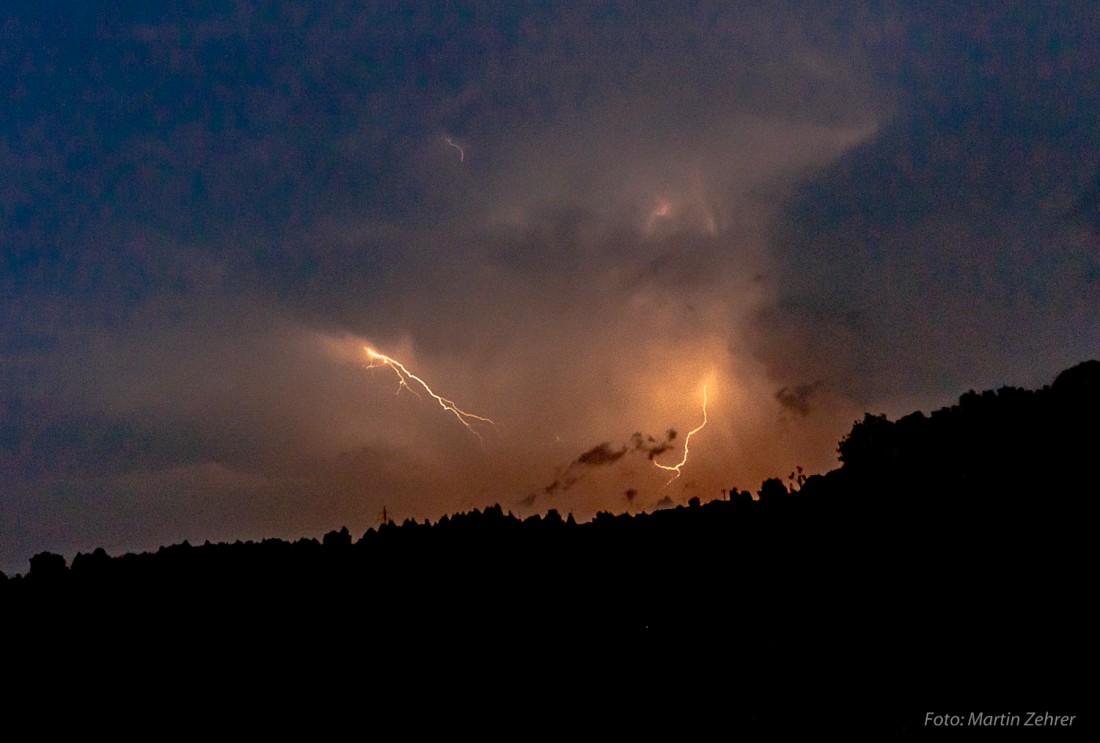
(815, 209)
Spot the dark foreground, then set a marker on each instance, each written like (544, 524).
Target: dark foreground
(947, 567)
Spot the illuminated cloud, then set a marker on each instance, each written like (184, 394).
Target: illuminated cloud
(213, 216)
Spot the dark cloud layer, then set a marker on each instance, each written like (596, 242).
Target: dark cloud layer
(952, 249)
(209, 210)
(799, 398)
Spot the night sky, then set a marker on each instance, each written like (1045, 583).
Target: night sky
(568, 218)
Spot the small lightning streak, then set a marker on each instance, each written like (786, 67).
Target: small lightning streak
(687, 440)
(404, 375)
(461, 154)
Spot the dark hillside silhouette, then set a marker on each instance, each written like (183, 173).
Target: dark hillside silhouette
(947, 565)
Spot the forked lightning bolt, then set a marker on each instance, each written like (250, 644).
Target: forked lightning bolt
(403, 377)
(676, 468)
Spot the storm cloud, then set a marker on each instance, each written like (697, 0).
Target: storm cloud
(209, 212)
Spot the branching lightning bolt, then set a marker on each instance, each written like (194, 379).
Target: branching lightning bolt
(461, 154)
(403, 377)
(676, 468)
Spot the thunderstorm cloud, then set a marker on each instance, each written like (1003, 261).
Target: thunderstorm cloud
(566, 217)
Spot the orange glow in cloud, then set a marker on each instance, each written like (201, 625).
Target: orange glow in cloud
(687, 440)
(404, 375)
(662, 210)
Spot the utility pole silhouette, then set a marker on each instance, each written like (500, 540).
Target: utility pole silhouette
(385, 515)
